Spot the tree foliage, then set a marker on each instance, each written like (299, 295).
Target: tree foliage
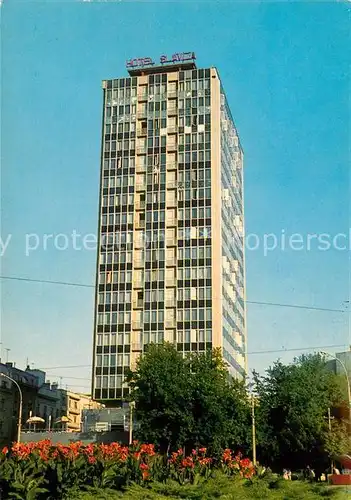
(189, 402)
(337, 440)
(293, 406)
(162, 394)
(220, 407)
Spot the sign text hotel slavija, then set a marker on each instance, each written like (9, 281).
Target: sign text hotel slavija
(179, 57)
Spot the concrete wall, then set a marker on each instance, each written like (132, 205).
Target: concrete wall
(69, 437)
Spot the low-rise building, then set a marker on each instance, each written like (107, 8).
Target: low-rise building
(72, 406)
(48, 401)
(7, 416)
(10, 397)
(55, 408)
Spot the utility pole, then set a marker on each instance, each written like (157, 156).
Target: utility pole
(131, 408)
(253, 430)
(7, 354)
(330, 431)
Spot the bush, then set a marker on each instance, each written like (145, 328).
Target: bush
(220, 487)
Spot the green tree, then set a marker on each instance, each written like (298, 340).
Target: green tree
(189, 402)
(337, 440)
(162, 394)
(291, 415)
(220, 407)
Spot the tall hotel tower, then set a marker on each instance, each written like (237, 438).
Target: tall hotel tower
(171, 264)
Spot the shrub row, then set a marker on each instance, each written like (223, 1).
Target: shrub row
(43, 470)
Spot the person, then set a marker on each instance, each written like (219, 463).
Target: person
(310, 474)
(289, 474)
(285, 474)
(336, 471)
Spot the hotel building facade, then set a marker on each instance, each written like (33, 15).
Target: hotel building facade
(171, 263)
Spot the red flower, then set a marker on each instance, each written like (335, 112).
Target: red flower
(22, 451)
(89, 449)
(143, 466)
(92, 460)
(227, 455)
(205, 461)
(174, 457)
(145, 475)
(44, 455)
(5, 450)
(187, 462)
(246, 463)
(148, 449)
(202, 450)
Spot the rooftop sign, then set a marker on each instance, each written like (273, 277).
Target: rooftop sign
(140, 62)
(179, 57)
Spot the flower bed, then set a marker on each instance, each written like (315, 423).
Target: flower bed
(43, 470)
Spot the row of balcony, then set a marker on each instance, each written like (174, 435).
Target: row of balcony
(171, 242)
(141, 223)
(171, 94)
(138, 325)
(143, 113)
(141, 186)
(141, 263)
(169, 283)
(171, 147)
(139, 304)
(143, 168)
(142, 132)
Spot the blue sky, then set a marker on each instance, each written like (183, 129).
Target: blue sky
(285, 70)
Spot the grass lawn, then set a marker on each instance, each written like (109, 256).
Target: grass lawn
(223, 488)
